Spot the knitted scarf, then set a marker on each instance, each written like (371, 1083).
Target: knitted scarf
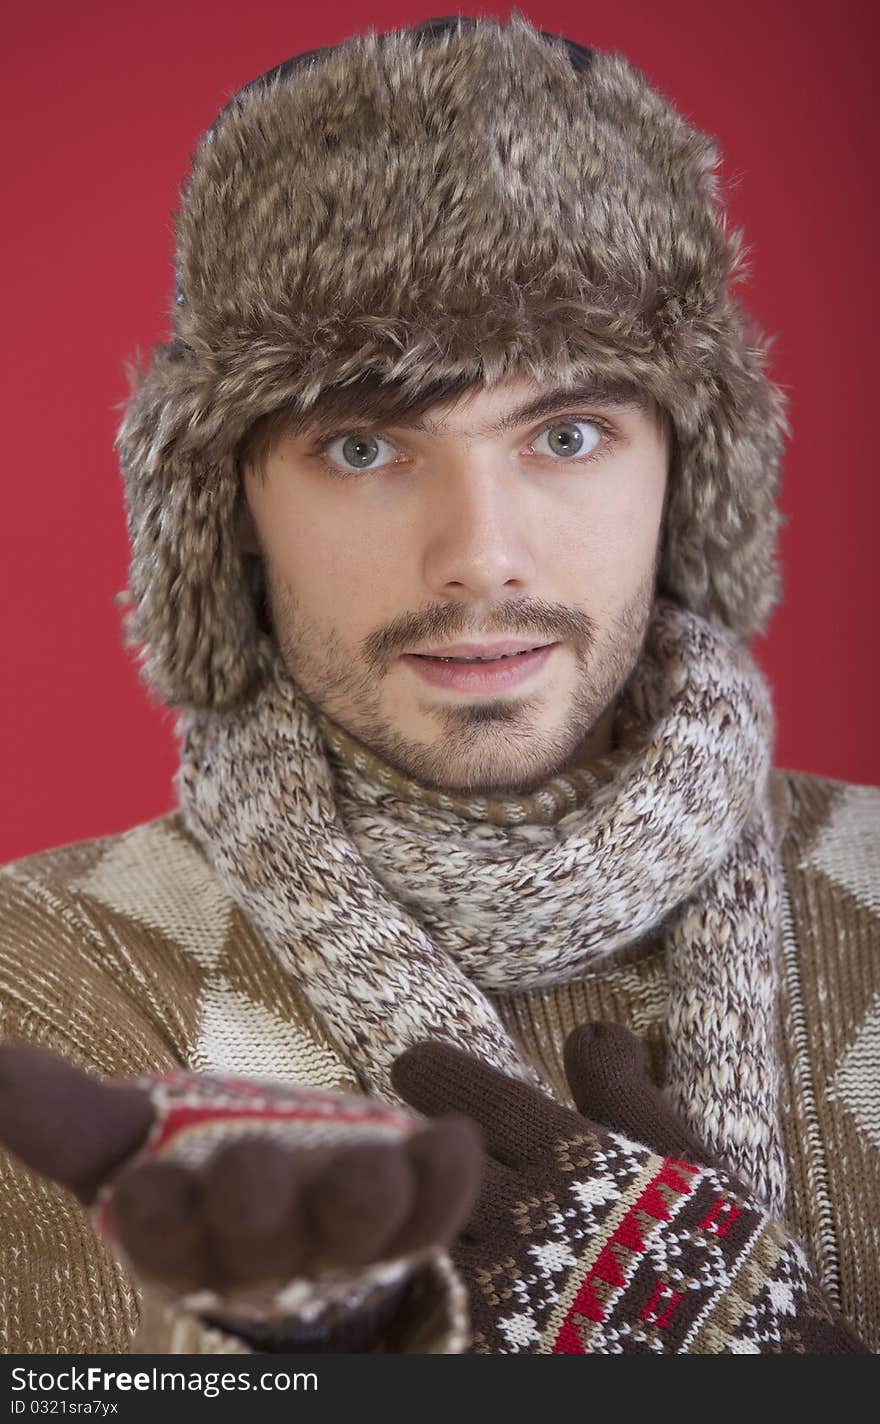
(396, 906)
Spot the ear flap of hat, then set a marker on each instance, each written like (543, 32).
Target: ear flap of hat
(195, 617)
(720, 540)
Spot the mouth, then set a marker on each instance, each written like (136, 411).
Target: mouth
(478, 675)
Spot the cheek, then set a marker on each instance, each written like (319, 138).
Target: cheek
(314, 554)
(612, 539)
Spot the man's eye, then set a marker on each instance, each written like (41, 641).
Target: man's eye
(351, 452)
(565, 440)
(357, 451)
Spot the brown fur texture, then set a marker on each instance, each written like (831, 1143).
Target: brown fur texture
(461, 209)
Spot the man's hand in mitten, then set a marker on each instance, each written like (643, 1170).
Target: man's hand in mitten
(269, 1208)
(610, 1230)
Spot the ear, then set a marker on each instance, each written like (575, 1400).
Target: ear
(246, 535)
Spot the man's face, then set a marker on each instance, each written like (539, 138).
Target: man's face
(453, 533)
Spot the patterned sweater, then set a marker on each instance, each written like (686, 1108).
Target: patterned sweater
(125, 954)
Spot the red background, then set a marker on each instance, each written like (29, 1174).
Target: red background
(102, 106)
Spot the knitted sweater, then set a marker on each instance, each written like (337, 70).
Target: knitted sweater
(125, 954)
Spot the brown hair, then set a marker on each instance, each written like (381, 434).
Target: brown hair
(368, 399)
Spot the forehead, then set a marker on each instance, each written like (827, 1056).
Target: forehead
(519, 400)
(476, 410)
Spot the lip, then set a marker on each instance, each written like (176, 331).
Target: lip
(481, 650)
(481, 677)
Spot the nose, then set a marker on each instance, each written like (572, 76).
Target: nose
(481, 528)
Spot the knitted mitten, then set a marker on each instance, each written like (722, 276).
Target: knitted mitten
(295, 1217)
(586, 1238)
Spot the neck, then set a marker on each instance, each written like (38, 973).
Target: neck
(598, 742)
(570, 787)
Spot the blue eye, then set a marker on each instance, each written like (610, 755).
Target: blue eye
(562, 441)
(360, 450)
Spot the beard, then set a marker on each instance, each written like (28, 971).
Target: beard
(495, 746)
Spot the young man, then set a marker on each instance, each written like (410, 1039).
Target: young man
(488, 990)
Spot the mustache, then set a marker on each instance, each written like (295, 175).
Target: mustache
(446, 626)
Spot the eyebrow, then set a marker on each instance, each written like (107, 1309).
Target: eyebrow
(561, 396)
(548, 403)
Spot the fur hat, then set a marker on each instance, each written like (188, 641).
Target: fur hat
(428, 207)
